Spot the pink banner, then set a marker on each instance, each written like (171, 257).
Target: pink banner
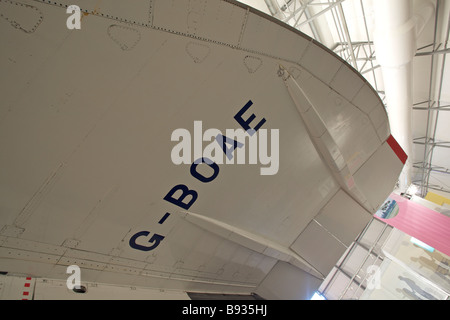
(429, 226)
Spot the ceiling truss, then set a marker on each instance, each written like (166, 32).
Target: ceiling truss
(360, 53)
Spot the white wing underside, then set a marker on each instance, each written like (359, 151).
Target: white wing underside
(85, 136)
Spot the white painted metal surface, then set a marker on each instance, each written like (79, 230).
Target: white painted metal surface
(17, 288)
(47, 289)
(26, 288)
(85, 136)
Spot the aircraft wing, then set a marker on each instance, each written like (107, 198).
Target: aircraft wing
(116, 149)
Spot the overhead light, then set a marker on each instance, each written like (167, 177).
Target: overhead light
(413, 189)
(421, 244)
(317, 296)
